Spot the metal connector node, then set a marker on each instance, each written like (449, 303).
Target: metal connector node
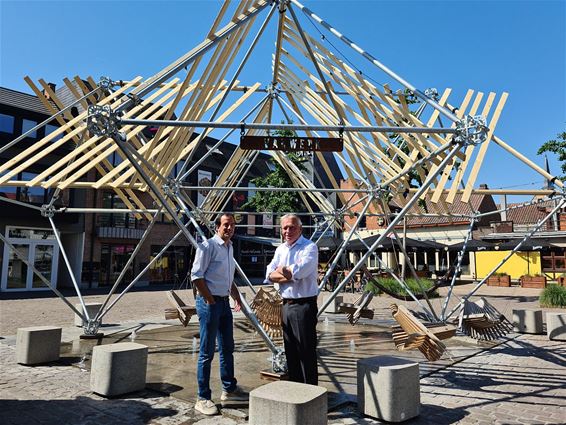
(471, 130)
(279, 362)
(106, 83)
(102, 120)
(47, 211)
(432, 93)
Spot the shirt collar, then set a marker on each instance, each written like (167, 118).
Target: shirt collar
(220, 241)
(297, 242)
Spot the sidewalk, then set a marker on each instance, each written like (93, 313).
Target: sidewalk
(520, 380)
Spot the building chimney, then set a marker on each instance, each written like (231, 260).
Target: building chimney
(483, 186)
(52, 87)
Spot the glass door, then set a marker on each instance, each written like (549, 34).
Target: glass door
(37, 247)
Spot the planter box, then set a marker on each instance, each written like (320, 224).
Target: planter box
(533, 281)
(504, 280)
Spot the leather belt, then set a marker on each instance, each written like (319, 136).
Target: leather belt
(299, 300)
(220, 298)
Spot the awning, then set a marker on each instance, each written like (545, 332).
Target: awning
(529, 245)
(472, 245)
(388, 244)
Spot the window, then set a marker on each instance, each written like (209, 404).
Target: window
(28, 125)
(49, 128)
(6, 123)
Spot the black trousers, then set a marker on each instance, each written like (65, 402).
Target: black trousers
(299, 337)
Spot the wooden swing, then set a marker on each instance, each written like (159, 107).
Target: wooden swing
(267, 306)
(180, 310)
(481, 321)
(411, 334)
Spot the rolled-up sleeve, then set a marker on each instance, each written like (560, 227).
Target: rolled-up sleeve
(306, 262)
(202, 260)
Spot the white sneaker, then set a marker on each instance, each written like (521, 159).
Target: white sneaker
(236, 395)
(206, 407)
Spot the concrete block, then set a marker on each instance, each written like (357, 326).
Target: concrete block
(556, 326)
(388, 388)
(288, 403)
(333, 306)
(527, 321)
(92, 309)
(39, 344)
(118, 368)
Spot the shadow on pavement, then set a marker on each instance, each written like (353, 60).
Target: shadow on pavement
(80, 410)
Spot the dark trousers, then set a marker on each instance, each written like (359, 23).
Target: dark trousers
(299, 337)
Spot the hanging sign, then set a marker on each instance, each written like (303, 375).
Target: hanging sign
(292, 144)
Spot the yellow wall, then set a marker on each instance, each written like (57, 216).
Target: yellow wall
(519, 264)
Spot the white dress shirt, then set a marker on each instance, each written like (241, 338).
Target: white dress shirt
(301, 259)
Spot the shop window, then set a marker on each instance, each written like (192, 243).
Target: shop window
(28, 125)
(49, 128)
(6, 124)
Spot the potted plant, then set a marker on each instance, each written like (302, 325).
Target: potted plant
(499, 279)
(533, 281)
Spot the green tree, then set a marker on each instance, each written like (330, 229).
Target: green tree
(277, 201)
(557, 146)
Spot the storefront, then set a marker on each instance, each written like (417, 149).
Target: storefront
(40, 248)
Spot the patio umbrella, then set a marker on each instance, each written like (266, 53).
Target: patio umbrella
(472, 245)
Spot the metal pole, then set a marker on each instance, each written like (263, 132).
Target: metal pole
(189, 57)
(217, 144)
(69, 268)
(378, 64)
(461, 254)
(527, 237)
(40, 275)
(287, 127)
(141, 273)
(237, 73)
(394, 222)
(274, 189)
(340, 251)
(129, 262)
(124, 147)
(41, 124)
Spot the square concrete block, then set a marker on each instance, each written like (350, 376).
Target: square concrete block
(333, 306)
(92, 309)
(288, 403)
(556, 326)
(39, 344)
(388, 388)
(118, 369)
(527, 321)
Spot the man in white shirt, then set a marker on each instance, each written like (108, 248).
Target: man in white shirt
(295, 269)
(213, 275)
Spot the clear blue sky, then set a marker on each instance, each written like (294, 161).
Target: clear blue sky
(513, 46)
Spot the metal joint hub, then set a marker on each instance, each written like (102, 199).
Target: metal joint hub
(279, 362)
(102, 120)
(272, 91)
(106, 83)
(171, 188)
(432, 93)
(91, 327)
(471, 130)
(47, 211)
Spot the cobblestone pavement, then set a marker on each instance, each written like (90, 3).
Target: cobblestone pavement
(522, 380)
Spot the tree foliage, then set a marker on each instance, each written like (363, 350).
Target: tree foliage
(277, 201)
(558, 147)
